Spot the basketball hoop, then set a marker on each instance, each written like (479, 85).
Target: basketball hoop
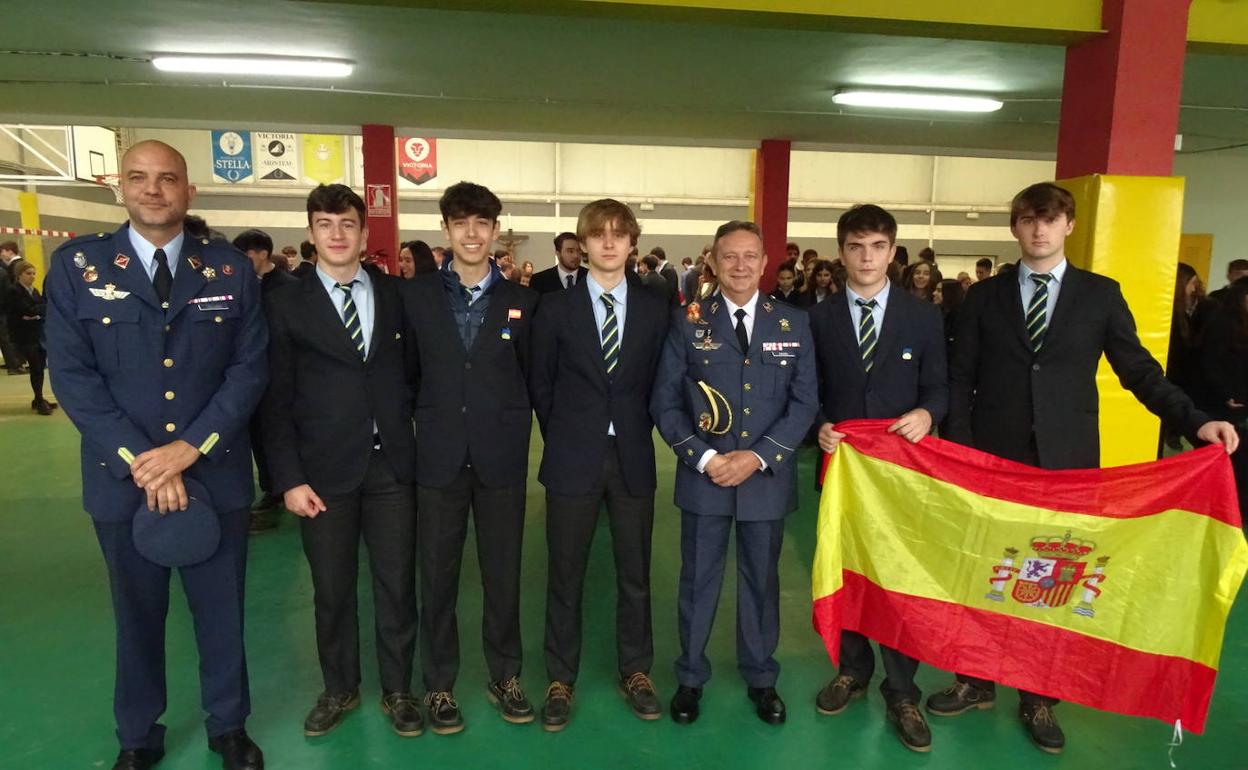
(112, 182)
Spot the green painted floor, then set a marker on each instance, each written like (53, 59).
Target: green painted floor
(56, 661)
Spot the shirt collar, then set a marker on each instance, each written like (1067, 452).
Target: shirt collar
(448, 269)
(881, 297)
(750, 305)
(145, 250)
(1025, 273)
(563, 274)
(329, 283)
(619, 293)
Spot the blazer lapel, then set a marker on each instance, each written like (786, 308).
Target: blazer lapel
(381, 318)
(1067, 298)
(585, 325)
(722, 329)
(1012, 299)
(132, 278)
(323, 311)
(846, 332)
(894, 317)
(494, 314)
(187, 281)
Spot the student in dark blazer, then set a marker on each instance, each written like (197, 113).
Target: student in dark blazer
(1022, 384)
(880, 354)
(735, 393)
(566, 273)
(337, 423)
(26, 309)
(595, 350)
(469, 361)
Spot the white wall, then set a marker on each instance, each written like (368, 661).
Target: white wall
(1216, 201)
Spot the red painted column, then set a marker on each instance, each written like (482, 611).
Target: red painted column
(381, 195)
(1120, 94)
(771, 203)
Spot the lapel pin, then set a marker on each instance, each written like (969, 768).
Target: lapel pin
(785, 326)
(767, 306)
(209, 274)
(80, 260)
(906, 354)
(513, 313)
(89, 275)
(227, 269)
(122, 261)
(194, 263)
(506, 333)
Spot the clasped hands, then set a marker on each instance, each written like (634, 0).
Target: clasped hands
(158, 472)
(730, 470)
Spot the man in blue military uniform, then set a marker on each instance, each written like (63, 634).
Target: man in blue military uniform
(735, 393)
(157, 348)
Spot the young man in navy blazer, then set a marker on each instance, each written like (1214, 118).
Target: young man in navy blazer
(468, 360)
(595, 350)
(880, 354)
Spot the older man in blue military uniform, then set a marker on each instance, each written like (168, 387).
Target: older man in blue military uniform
(157, 348)
(735, 394)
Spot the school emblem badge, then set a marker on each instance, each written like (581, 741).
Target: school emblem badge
(1048, 579)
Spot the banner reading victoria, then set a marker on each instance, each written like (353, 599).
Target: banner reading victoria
(1108, 587)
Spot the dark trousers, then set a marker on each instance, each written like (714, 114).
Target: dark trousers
(570, 525)
(1239, 465)
(858, 661)
(214, 593)
(384, 511)
(37, 359)
(498, 519)
(12, 357)
(703, 549)
(257, 452)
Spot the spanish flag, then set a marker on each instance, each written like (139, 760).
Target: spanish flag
(1108, 587)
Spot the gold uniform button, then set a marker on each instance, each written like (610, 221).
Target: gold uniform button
(689, 452)
(706, 361)
(745, 434)
(216, 319)
(746, 410)
(779, 458)
(747, 386)
(166, 327)
(168, 395)
(747, 362)
(168, 362)
(106, 320)
(170, 427)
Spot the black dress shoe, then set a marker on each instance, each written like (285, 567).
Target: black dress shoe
(767, 704)
(638, 690)
(685, 704)
(444, 716)
(912, 728)
(511, 701)
(138, 759)
(404, 712)
(329, 710)
(1042, 726)
(959, 698)
(43, 408)
(557, 710)
(836, 695)
(238, 752)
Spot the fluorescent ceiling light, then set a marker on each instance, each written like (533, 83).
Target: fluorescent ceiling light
(916, 100)
(281, 66)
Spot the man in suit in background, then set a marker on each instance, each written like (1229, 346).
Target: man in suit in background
(468, 358)
(1022, 384)
(881, 355)
(650, 279)
(307, 260)
(156, 342)
(735, 394)
(595, 350)
(258, 247)
(669, 274)
(337, 422)
(566, 273)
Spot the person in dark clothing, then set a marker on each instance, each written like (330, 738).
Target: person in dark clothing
(786, 283)
(1183, 357)
(1224, 366)
(948, 296)
(8, 280)
(26, 308)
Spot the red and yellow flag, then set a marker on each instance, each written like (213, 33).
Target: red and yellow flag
(1109, 587)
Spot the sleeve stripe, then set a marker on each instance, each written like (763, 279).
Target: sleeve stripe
(777, 443)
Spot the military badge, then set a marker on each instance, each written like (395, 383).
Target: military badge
(715, 412)
(109, 292)
(714, 307)
(785, 326)
(1048, 579)
(209, 274)
(704, 422)
(90, 275)
(693, 313)
(122, 261)
(767, 306)
(80, 260)
(194, 263)
(227, 269)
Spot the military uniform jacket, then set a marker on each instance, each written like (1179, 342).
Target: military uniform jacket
(133, 376)
(772, 394)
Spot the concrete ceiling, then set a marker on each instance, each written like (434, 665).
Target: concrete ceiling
(563, 76)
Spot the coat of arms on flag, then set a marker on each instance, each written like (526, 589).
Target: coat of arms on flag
(1050, 577)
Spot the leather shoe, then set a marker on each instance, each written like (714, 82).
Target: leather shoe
(511, 701)
(767, 704)
(1042, 726)
(138, 759)
(638, 690)
(911, 727)
(685, 704)
(959, 698)
(557, 710)
(238, 752)
(837, 694)
(444, 715)
(329, 710)
(404, 712)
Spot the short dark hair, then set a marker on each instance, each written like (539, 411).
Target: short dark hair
(901, 256)
(466, 199)
(307, 251)
(788, 264)
(1044, 200)
(1234, 266)
(984, 262)
(660, 253)
(809, 254)
(686, 261)
(733, 226)
(791, 246)
(9, 246)
(254, 240)
(650, 261)
(335, 199)
(561, 237)
(865, 218)
(927, 253)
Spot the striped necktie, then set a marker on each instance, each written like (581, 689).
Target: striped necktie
(1038, 311)
(866, 332)
(351, 317)
(610, 335)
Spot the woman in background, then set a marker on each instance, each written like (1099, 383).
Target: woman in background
(26, 311)
(921, 279)
(820, 286)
